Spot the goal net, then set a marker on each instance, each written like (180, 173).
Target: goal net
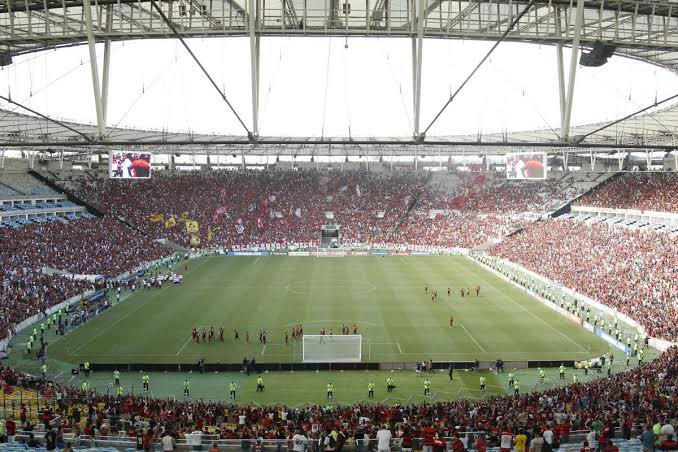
(345, 348)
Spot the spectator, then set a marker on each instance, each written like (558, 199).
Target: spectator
(537, 442)
(647, 438)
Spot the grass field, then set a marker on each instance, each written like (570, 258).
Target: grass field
(383, 295)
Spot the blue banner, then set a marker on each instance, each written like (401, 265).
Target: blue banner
(96, 295)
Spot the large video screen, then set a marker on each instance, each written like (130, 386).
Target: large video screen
(129, 165)
(526, 165)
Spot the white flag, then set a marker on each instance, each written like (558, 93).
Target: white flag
(357, 190)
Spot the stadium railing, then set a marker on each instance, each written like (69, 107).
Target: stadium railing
(207, 440)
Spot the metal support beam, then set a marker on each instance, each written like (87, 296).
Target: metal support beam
(560, 67)
(514, 22)
(107, 64)
(581, 138)
(578, 22)
(202, 68)
(254, 62)
(85, 136)
(417, 71)
(414, 73)
(96, 86)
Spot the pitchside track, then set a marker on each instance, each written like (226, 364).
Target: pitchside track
(384, 296)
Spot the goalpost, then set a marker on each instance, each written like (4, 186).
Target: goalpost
(344, 348)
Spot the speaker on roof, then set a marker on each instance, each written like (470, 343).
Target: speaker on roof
(598, 54)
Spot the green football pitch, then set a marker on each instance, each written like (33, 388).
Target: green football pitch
(383, 296)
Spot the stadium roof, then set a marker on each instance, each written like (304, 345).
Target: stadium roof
(639, 29)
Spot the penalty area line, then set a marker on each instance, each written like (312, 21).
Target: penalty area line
(473, 338)
(183, 346)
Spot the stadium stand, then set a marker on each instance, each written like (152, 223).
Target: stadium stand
(25, 292)
(103, 246)
(289, 207)
(630, 270)
(644, 191)
(6, 190)
(608, 408)
(66, 238)
(24, 184)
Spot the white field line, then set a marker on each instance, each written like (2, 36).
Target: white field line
(184, 346)
(399, 349)
(473, 339)
(527, 310)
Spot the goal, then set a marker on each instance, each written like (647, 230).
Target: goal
(345, 348)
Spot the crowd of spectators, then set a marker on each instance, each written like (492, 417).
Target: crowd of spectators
(456, 229)
(632, 271)
(86, 246)
(25, 292)
(97, 246)
(290, 207)
(644, 191)
(645, 395)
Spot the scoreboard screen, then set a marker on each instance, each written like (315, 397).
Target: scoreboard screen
(526, 165)
(129, 165)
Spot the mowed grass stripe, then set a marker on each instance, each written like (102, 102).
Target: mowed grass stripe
(383, 295)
